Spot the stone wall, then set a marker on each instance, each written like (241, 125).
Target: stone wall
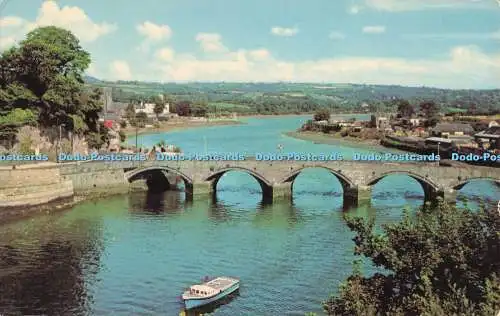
(32, 188)
(96, 179)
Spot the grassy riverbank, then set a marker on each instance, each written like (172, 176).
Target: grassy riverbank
(179, 125)
(332, 139)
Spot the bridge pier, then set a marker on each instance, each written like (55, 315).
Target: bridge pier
(449, 196)
(280, 192)
(357, 196)
(200, 189)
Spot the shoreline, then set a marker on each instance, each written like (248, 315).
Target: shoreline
(328, 139)
(129, 132)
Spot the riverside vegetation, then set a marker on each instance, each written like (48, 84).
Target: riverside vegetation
(441, 261)
(42, 86)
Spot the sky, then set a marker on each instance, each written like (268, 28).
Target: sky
(438, 43)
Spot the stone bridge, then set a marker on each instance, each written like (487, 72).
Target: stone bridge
(276, 177)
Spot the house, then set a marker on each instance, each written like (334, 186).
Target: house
(149, 109)
(451, 129)
(383, 123)
(415, 122)
(490, 136)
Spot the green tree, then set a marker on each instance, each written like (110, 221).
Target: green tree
(441, 261)
(199, 109)
(12, 120)
(130, 111)
(45, 75)
(183, 108)
(322, 115)
(98, 139)
(405, 109)
(159, 108)
(431, 112)
(140, 119)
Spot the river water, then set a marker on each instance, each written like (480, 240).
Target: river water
(135, 254)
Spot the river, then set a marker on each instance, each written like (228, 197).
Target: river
(134, 254)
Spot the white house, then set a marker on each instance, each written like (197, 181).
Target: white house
(149, 109)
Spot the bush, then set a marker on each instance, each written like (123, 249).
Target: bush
(322, 115)
(25, 146)
(122, 135)
(440, 261)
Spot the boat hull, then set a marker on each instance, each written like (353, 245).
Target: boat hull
(195, 303)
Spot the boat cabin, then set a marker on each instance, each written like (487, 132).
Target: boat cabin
(202, 290)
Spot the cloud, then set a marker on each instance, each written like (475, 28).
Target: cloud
(120, 70)
(165, 54)
(416, 5)
(464, 67)
(68, 17)
(6, 42)
(374, 29)
(73, 19)
(11, 21)
(335, 35)
(459, 36)
(92, 70)
(284, 31)
(260, 54)
(154, 32)
(211, 42)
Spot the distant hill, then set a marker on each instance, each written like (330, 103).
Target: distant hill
(282, 97)
(90, 79)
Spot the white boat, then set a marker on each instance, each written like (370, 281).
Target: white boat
(209, 292)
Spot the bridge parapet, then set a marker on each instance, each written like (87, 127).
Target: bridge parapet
(355, 176)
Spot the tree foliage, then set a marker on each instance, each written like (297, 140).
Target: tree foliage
(159, 107)
(442, 261)
(44, 75)
(431, 112)
(183, 108)
(405, 109)
(322, 115)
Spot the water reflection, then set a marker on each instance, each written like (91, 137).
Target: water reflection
(49, 273)
(211, 308)
(277, 215)
(219, 212)
(168, 202)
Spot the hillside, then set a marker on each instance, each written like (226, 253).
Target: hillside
(268, 98)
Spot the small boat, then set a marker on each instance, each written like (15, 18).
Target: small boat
(209, 292)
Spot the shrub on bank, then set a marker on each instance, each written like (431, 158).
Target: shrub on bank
(441, 261)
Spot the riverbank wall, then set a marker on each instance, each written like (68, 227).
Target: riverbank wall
(46, 187)
(28, 189)
(94, 180)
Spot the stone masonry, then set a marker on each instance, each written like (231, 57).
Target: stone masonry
(276, 178)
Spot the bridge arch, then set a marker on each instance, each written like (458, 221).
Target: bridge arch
(152, 173)
(265, 185)
(343, 179)
(431, 188)
(460, 184)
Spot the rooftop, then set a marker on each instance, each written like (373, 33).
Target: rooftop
(453, 127)
(491, 132)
